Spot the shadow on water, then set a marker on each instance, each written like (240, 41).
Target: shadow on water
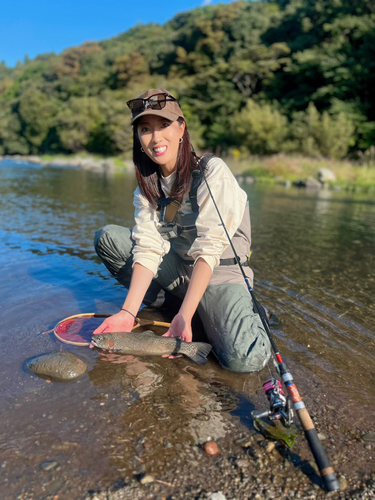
(313, 260)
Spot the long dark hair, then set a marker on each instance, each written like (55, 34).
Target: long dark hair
(148, 172)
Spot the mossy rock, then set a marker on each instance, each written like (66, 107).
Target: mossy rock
(57, 366)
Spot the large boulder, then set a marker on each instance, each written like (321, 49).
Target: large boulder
(326, 175)
(57, 366)
(309, 182)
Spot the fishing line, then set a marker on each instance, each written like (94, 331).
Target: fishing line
(326, 471)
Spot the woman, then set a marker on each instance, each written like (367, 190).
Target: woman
(178, 249)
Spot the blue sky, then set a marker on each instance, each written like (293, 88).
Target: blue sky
(39, 26)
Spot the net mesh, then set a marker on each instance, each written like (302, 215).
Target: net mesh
(78, 330)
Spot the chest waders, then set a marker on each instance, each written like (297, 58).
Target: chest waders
(181, 231)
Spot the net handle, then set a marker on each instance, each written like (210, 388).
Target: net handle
(141, 322)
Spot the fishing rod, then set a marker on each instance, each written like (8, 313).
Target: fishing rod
(274, 391)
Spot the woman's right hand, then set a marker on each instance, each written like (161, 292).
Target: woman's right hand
(119, 322)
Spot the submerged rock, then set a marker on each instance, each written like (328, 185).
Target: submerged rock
(147, 479)
(369, 436)
(343, 483)
(270, 447)
(211, 448)
(57, 366)
(217, 496)
(275, 431)
(49, 465)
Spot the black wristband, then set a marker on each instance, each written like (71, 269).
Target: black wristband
(131, 314)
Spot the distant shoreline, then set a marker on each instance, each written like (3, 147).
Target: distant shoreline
(76, 161)
(287, 170)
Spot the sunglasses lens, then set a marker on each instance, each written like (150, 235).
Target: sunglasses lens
(136, 105)
(156, 101)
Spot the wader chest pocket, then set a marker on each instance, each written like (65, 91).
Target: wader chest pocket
(168, 229)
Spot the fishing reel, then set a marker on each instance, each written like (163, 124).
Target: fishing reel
(280, 406)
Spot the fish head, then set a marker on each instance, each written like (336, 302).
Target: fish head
(102, 342)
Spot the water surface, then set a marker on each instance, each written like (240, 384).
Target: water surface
(313, 257)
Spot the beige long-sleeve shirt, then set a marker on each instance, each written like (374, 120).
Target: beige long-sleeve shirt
(211, 240)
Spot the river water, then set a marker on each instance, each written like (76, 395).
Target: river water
(314, 263)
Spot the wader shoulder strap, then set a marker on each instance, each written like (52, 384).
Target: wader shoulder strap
(168, 209)
(168, 206)
(197, 179)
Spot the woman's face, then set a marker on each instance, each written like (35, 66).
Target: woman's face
(160, 139)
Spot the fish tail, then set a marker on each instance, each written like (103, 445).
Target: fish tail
(203, 350)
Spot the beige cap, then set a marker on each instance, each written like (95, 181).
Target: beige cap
(171, 110)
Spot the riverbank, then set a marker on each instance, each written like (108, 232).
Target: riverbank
(86, 162)
(276, 169)
(286, 170)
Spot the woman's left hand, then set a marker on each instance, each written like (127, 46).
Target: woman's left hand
(181, 323)
(180, 327)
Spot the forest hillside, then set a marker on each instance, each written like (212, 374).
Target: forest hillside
(293, 76)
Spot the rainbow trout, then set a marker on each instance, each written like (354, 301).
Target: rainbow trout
(150, 344)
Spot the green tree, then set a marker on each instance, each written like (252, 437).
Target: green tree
(130, 68)
(11, 139)
(317, 134)
(260, 128)
(76, 121)
(256, 65)
(37, 114)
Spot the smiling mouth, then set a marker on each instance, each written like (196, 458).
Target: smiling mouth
(160, 150)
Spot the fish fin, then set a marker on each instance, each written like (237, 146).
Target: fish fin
(149, 333)
(203, 350)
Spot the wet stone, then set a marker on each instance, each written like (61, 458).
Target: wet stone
(242, 464)
(245, 441)
(211, 448)
(57, 366)
(343, 483)
(270, 447)
(202, 417)
(217, 496)
(49, 465)
(251, 451)
(147, 479)
(369, 436)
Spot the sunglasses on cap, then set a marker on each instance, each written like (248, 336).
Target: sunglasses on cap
(156, 101)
